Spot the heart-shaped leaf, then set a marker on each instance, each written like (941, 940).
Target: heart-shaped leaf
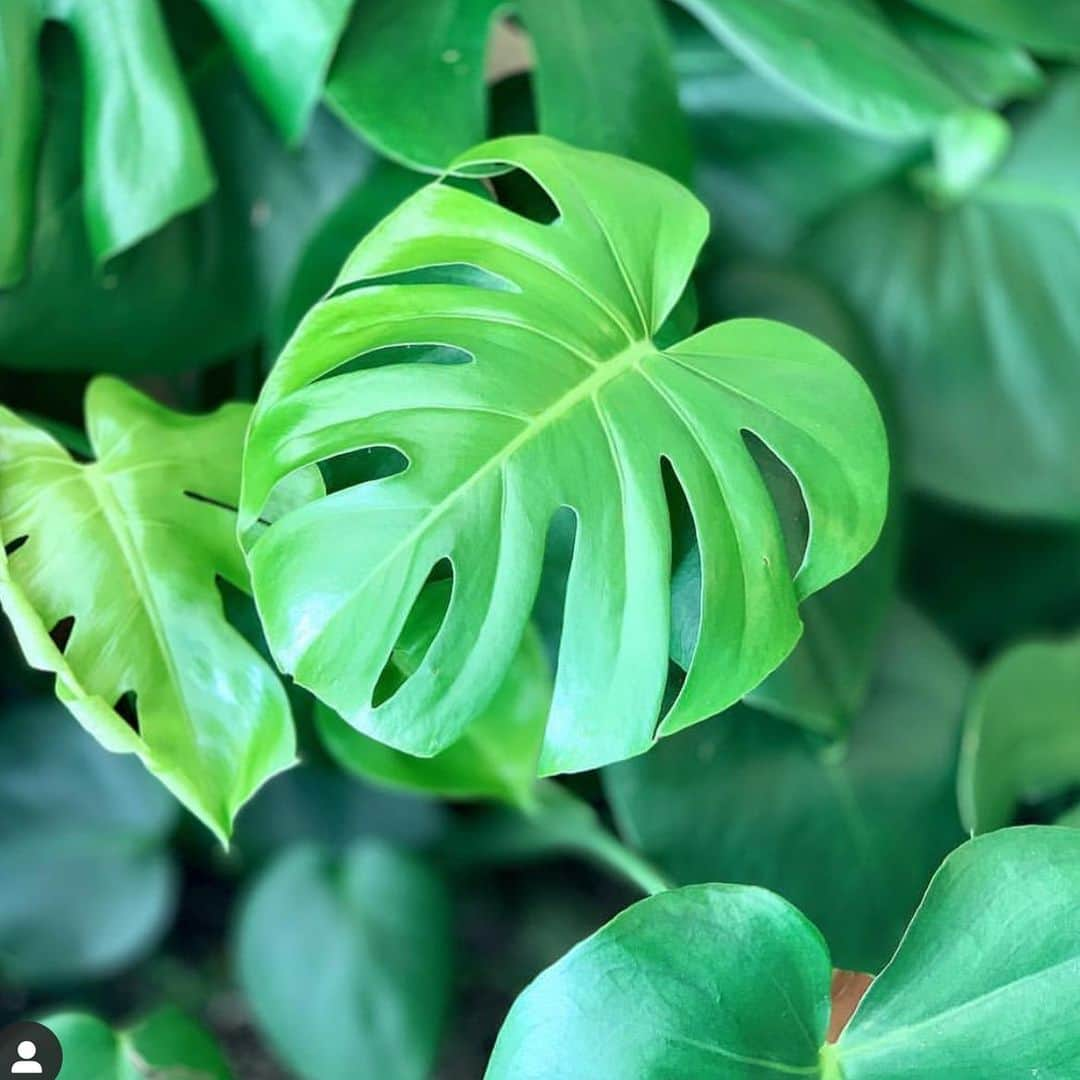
(494, 759)
(108, 579)
(362, 979)
(1022, 733)
(849, 832)
(732, 983)
(564, 400)
(602, 77)
(76, 821)
(971, 311)
(166, 1045)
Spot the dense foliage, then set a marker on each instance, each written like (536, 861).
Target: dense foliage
(465, 466)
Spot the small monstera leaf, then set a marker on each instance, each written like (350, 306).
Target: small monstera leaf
(564, 400)
(108, 579)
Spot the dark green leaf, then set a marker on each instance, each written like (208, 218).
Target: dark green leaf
(108, 579)
(603, 77)
(850, 833)
(565, 402)
(90, 886)
(709, 981)
(166, 1045)
(360, 981)
(1022, 734)
(840, 55)
(971, 308)
(730, 982)
(1048, 29)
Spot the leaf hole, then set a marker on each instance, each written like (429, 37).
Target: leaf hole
(61, 632)
(13, 545)
(520, 191)
(127, 709)
(685, 569)
(475, 277)
(430, 353)
(361, 466)
(422, 626)
(550, 604)
(786, 495)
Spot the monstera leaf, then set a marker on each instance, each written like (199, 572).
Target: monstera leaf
(971, 312)
(134, 84)
(563, 400)
(108, 579)
(1022, 735)
(602, 77)
(732, 983)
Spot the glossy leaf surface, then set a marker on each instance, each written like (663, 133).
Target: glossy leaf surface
(165, 1044)
(730, 982)
(840, 55)
(362, 976)
(76, 821)
(849, 833)
(1022, 733)
(602, 77)
(494, 759)
(564, 400)
(971, 311)
(108, 579)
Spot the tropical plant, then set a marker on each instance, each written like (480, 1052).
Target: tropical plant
(657, 477)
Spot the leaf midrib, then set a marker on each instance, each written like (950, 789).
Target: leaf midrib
(622, 362)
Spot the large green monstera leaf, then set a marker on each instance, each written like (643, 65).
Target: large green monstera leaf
(563, 400)
(109, 580)
(727, 982)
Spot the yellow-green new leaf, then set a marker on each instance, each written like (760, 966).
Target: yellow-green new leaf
(108, 577)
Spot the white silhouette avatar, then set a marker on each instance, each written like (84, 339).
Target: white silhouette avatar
(28, 1066)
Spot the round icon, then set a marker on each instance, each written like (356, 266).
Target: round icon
(29, 1050)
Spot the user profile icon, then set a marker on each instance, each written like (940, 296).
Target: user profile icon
(28, 1049)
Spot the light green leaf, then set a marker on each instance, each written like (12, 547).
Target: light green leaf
(496, 756)
(602, 77)
(709, 981)
(849, 833)
(76, 821)
(730, 982)
(1022, 733)
(841, 56)
(108, 579)
(972, 311)
(565, 401)
(166, 1045)
(134, 86)
(361, 980)
(824, 682)
(1046, 29)
(284, 47)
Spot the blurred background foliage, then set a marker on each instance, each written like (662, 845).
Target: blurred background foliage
(901, 179)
